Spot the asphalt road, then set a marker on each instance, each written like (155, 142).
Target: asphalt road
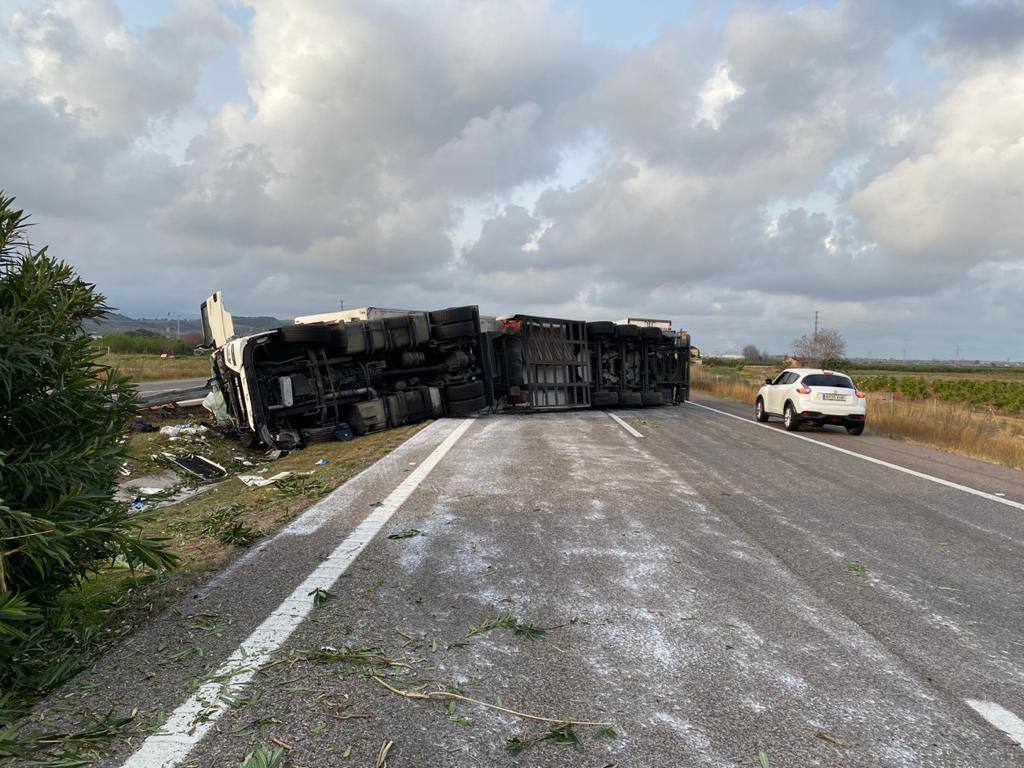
(719, 592)
(155, 387)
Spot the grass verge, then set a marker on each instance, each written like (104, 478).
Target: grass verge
(156, 368)
(950, 427)
(207, 529)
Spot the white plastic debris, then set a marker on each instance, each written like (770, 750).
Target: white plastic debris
(183, 429)
(255, 481)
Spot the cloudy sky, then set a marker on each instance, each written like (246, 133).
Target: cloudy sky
(732, 166)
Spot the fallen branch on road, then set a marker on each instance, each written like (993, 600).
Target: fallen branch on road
(449, 696)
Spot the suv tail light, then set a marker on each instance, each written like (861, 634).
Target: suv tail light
(804, 390)
(861, 395)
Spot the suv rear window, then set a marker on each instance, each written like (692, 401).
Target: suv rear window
(827, 380)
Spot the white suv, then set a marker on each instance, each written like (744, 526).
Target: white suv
(812, 395)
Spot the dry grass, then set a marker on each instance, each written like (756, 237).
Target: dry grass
(208, 529)
(951, 427)
(728, 385)
(156, 368)
(947, 426)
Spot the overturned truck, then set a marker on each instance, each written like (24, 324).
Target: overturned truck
(364, 370)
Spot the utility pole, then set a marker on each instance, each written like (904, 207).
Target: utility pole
(815, 326)
(341, 305)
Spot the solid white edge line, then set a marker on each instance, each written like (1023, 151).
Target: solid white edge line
(624, 425)
(187, 725)
(880, 462)
(1003, 719)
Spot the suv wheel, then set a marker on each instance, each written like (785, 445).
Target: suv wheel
(759, 412)
(855, 429)
(790, 419)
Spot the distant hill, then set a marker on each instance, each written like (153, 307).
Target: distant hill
(118, 323)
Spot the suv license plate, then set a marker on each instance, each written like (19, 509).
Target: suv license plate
(828, 396)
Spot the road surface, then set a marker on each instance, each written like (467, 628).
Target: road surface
(171, 385)
(721, 593)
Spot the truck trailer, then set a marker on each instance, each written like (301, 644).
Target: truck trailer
(368, 369)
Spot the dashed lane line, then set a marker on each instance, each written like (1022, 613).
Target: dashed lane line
(1003, 719)
(624, 425)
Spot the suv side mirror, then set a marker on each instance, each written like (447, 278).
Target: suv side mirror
(767, 381)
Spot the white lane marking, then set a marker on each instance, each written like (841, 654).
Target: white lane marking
(190, 721)
(890, 465)
(1002, 719)
(624, 425)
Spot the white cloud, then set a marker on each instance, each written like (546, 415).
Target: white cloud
(424, 154)
(717, 94)
(960, 195)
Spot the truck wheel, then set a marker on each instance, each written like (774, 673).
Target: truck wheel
(628, 331)
(600, 329)
(453, 330)
(651, 334)
(631, 399)
(652, 398)
(467, 391)
(313, 334)
(466, 407)
(453, 315)
(602, 398)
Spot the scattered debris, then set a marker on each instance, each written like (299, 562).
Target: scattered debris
(141, 425)
(197, 465)
(322, 463)
(181, 430)
(258, 482)
(855, 568)
(508, 621)
(382, 755)
(830, 739)
(562, 734)
(451, 696)
(238, 533)
(275, 454)
(265, 757)
(408, 533)
(321, 596)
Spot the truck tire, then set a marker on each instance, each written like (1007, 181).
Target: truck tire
(631, 399)
(651, 334)
(453, 330)
(466, 407)
(453, 315)
(603, 398)
(468, 391)
(652, 397)
(313, 334)
(628, 331)
(600, 329)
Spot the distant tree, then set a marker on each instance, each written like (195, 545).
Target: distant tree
(827, 344)
(751, 353)
(140, 333)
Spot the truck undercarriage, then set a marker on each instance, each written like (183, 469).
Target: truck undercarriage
(366, 370)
